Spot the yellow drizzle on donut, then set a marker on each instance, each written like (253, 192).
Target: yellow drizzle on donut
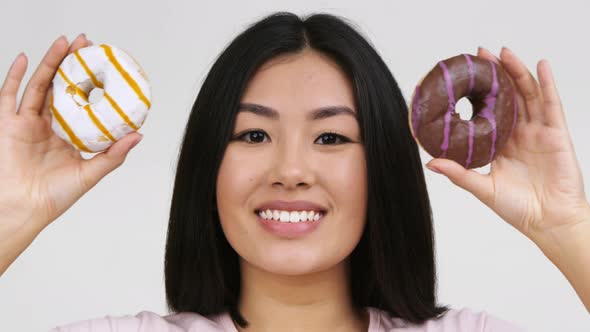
(120, 111)
(67, 128)
(97, 122)
(89, 72)
(87, 107)
(109, 53)
(71, 85)
(99, 84)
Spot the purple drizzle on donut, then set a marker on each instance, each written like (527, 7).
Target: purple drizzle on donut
(488, 111)
(471, 72)
(416, 111)
(450, 109)
(470, 151)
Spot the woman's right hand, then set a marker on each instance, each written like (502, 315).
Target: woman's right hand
(41, 175)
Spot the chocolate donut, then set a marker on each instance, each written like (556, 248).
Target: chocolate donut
(439, 129)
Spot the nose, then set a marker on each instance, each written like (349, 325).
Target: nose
(292, 165)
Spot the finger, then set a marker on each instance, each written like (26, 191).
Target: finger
(46, 110)
(479, 185)
(553, 110)
(11, 84)
(78, 43)
(484, 53)
(90, 43)
(526, 84)
(99, 166)
(36, 89)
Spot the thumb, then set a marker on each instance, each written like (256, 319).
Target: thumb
(99, 166)
(480, 185)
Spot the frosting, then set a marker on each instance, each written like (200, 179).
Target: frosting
(93, 127)
(439, 129)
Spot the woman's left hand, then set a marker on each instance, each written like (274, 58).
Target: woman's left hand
(535, 183)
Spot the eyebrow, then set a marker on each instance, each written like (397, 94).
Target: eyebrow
(317, 114)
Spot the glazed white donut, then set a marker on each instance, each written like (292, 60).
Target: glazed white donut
(93, 127)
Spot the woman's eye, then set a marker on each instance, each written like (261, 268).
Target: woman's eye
(257, 136)
(332, 138)
(252, 136)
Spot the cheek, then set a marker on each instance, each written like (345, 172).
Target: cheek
(346, 179)
(235, 179)
(238, 178)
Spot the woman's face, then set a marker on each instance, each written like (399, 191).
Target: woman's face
(288, 154)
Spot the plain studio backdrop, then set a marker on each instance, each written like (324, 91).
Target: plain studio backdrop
(104, 256)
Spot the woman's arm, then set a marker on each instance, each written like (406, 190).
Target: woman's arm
(568, 248)
(535, 183)
(14, 241)
(41, 175)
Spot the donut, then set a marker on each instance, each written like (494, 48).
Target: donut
(93, 126)
(439, 129)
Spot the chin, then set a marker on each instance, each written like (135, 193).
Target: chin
(293, 264)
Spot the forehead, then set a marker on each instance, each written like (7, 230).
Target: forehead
(306, 80)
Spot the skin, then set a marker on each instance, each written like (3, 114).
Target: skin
(535, 184)
(296, 160)
(41, 175)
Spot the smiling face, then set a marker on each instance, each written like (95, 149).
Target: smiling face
(296, 138)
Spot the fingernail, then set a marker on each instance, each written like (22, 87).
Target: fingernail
(135, 143)
(434, 169)
(16, 59)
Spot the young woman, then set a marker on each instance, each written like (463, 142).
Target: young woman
(301, 121)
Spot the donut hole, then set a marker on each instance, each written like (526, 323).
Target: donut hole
(95, 95)
(465, 109)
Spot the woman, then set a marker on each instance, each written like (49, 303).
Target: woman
(301, 119)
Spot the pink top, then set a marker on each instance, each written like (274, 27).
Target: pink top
(380, 321)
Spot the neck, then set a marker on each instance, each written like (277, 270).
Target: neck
(319, 301)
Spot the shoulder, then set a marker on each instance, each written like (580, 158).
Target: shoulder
(457, 320)
(148, 321)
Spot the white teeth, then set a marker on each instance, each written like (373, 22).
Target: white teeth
(284, 216)
(290, 216)
(303, 215)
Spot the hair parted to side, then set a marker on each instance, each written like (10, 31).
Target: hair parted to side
(392, 267)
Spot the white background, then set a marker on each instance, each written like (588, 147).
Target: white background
(105, 255)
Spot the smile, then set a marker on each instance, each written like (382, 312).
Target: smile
(290, 224)
(291, 216)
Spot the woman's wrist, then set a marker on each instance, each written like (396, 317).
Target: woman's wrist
(554, 241)
(568, 248)
(14, 240)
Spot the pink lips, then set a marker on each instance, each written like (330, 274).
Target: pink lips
(290, 206)
(289, 229)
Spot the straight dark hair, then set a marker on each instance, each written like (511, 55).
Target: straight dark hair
(392, 267)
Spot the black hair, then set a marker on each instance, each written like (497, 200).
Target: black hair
(392, 268)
